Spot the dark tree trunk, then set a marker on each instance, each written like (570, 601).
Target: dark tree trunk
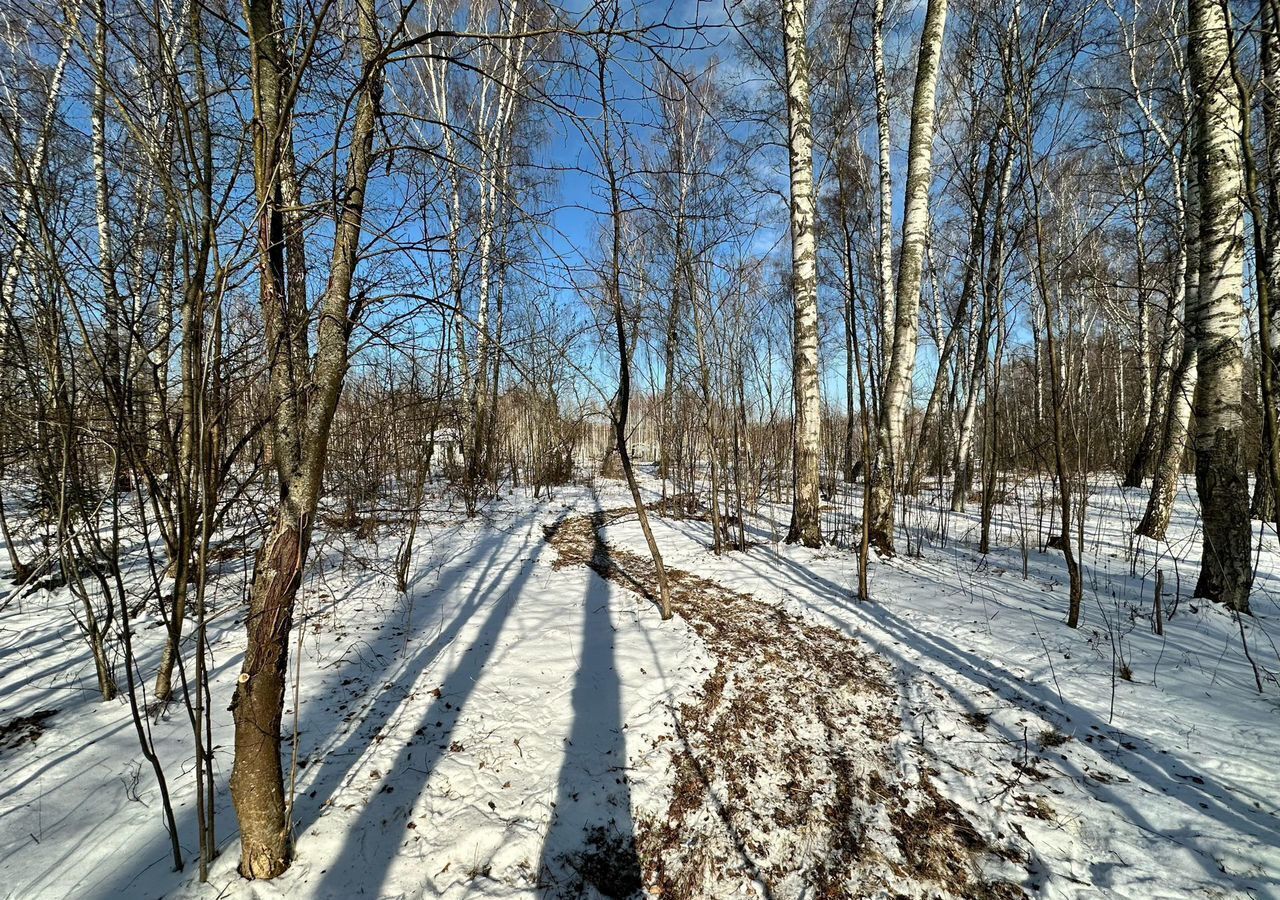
(257, 780)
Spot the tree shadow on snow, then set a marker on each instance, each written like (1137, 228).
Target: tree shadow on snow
(374, 839)
(335, 736)
(590, 845)
(1158, 771)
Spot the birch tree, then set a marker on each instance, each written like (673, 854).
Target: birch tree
(1265, 216)
(1177, 421)
(805, 526)
(896, 389)
(1221, 480)
(884, 149)
(28, 171)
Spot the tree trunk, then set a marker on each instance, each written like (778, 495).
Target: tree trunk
(1221, 480)
(669, 350)
(850, 342)
(257, 780)
(1059, 391)
(300, 431)
(992, 300)
(614, 288)
(1149, 409)
(1267, 234)
(708, 413)
(896, 388)
(806, 526)
(972, 269)
(1177, 422)
(885, 208)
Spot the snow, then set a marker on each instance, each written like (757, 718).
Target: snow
(438, 736)
(1168, 788)
(460, 740)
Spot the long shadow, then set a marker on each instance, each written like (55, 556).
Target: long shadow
(325, 715)
(45, 635)
(591, 838)
(1158, 771)
(1195, 789)
(83, 723)
(620, 855)
(335, 762)
(1030, 694)
(374, 840)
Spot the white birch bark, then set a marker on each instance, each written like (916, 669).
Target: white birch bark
(34, 167)
(1173, 444)
(1170, 372)
(1221, 480)
(805, 524)
(1268, 267)
(502, 66)
(896, 388)
(1146, 384)
(884, 148)
(102, 195)
(432, 74)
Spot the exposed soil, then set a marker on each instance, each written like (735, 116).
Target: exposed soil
(788, 777)
(24, 729)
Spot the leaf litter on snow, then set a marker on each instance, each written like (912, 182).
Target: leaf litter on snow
(787, 777)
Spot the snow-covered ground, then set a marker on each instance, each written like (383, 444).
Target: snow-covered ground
(438, 730)
(1162, 784)
(462, 739)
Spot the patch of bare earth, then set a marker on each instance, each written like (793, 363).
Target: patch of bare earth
(786, 780)
(24, 729)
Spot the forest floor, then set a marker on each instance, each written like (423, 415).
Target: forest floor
(520, 722)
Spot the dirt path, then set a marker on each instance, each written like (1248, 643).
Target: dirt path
(791, 770)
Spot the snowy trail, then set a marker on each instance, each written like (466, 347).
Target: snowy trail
(519, 725)
(459, 745)
(1166, 789)
(793, 775)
